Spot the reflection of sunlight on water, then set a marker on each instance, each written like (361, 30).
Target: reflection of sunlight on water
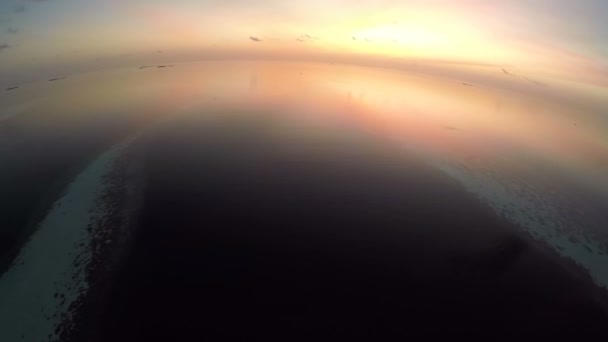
(17, 109)
(441, 113)
(518, 157)
(517, 151)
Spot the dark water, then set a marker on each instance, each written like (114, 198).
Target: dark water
(251, 230)
(314, 203)
(46, 157)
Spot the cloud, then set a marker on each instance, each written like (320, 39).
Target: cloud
(306, 38)
(4, 47)
(255, 39)
(20, 9)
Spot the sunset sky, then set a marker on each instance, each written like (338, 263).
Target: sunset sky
(562, 38)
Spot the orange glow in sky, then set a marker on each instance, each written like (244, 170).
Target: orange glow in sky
(537, 37)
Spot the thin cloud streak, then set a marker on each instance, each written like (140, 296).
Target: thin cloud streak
(20, 9)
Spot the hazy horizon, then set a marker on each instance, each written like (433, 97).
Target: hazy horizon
(532, 39)
(329, 169)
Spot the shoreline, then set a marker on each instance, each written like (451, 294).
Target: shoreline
(537, 220)
(58, 260)
(123, 197)
(245, 238)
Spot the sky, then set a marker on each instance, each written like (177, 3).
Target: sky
(558, 38)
